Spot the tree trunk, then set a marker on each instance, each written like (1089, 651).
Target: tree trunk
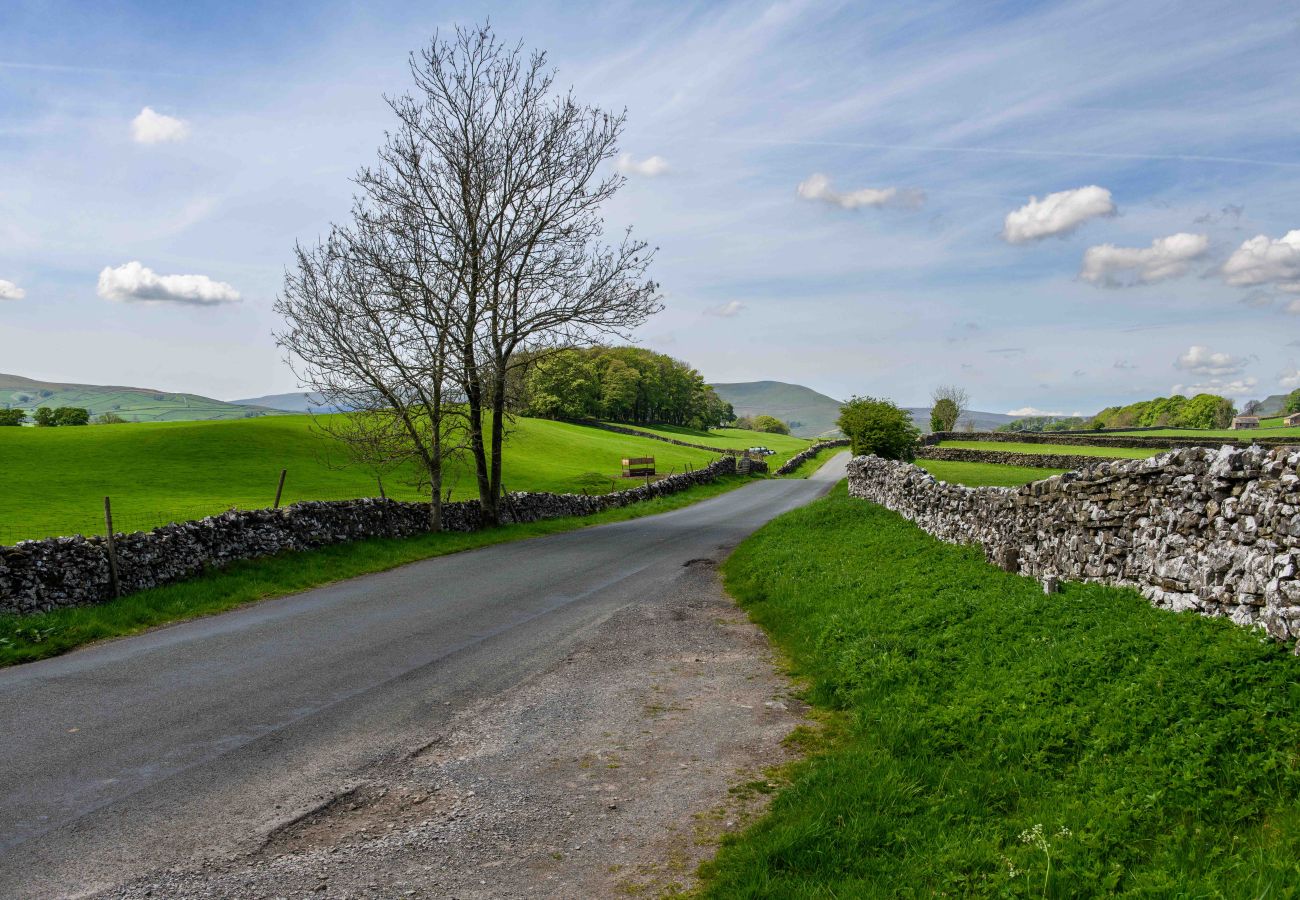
(498, 436)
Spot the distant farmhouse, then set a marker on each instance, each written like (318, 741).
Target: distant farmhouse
(1293, 419)
(1239, 422)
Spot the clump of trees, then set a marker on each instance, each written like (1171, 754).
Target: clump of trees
(1200, 411)
(948, 402)
(764, 423)
(621, 384)
(476, 245)
(1292, 402)
(12, 417)
(879, 427)
(54, 417)
(1046, 423)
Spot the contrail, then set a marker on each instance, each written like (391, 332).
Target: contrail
(1016, 151)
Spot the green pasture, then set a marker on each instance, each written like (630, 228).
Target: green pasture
(785, 445)
(1243, 434)
(53, 480)
(1068, 449)
(977, 738)
(975, 474)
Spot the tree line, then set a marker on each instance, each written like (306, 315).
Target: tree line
(621, 384)
(1202, 411)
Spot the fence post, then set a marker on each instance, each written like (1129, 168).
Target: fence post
(280, 488)
(112, 549)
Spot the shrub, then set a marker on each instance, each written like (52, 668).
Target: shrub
(943, 417)
(769, 425)
(12, 417)
(878, 427)
(108, 418)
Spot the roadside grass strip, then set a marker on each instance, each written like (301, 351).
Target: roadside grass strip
(984, 474)
(29, 638)
(809, 467)
(1066, 449)
(982, 739)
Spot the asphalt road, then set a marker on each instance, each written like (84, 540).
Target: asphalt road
(196, 740)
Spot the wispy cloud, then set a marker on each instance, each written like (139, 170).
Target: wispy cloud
(1224, 387)
(134, 282)
(818, 187)
(1032, 411)
(726, 310)
(650, 167)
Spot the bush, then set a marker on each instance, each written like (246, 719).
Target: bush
(943, 417)
(769, 425)
(12, 417)
(1292, 402)
(880, 428)
(108, 418)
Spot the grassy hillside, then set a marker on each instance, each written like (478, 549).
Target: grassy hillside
(974, 474)
(132, 404)
(1244, 434)
(809, 413)
(298, 401)
(53, 480)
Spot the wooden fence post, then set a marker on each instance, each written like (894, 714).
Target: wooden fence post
(112, 549)
(279, 489)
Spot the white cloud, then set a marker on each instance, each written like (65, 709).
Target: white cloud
(650, 167)
(726, 310)
(1167, 257)
(818, 187)
(1204, 362)
(1289, 380)
(1058, 213)
(1262, 260)
(1032, 411)
(1294, 307)
(11, 291)
(155, 128)
(134, 282)
(1236, 387)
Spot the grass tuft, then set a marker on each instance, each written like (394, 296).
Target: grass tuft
(983, 739)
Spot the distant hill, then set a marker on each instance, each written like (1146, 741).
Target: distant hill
(1274, 404)
(131, 403)
(809, 413)
(298, 402)
(816, 413)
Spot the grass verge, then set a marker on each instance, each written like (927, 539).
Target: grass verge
(29, 638)
(809, 467)
(975, 474)
(987, 740)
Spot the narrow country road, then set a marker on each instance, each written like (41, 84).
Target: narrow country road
(198, 739)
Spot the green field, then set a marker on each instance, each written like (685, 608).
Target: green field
(53, 480)
(1067, 449)
(984, 474)
(981, 739)
(785, 445)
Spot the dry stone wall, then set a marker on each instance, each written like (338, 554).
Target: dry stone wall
(38, 576)
(803, 456)
(1216, 531)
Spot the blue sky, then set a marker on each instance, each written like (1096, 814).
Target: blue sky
(830, 197)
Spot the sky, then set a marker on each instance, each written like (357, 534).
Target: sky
(1057, 206)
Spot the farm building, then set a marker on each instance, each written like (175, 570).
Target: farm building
(1239, 422)
(1293, 419)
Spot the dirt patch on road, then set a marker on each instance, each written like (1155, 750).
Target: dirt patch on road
(612, 774)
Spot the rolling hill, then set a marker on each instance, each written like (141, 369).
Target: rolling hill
(297, 401)
(132, 404)
(812, 414)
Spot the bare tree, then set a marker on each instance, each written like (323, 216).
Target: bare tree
(494, 181)
(370, 335)
(948, 402)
